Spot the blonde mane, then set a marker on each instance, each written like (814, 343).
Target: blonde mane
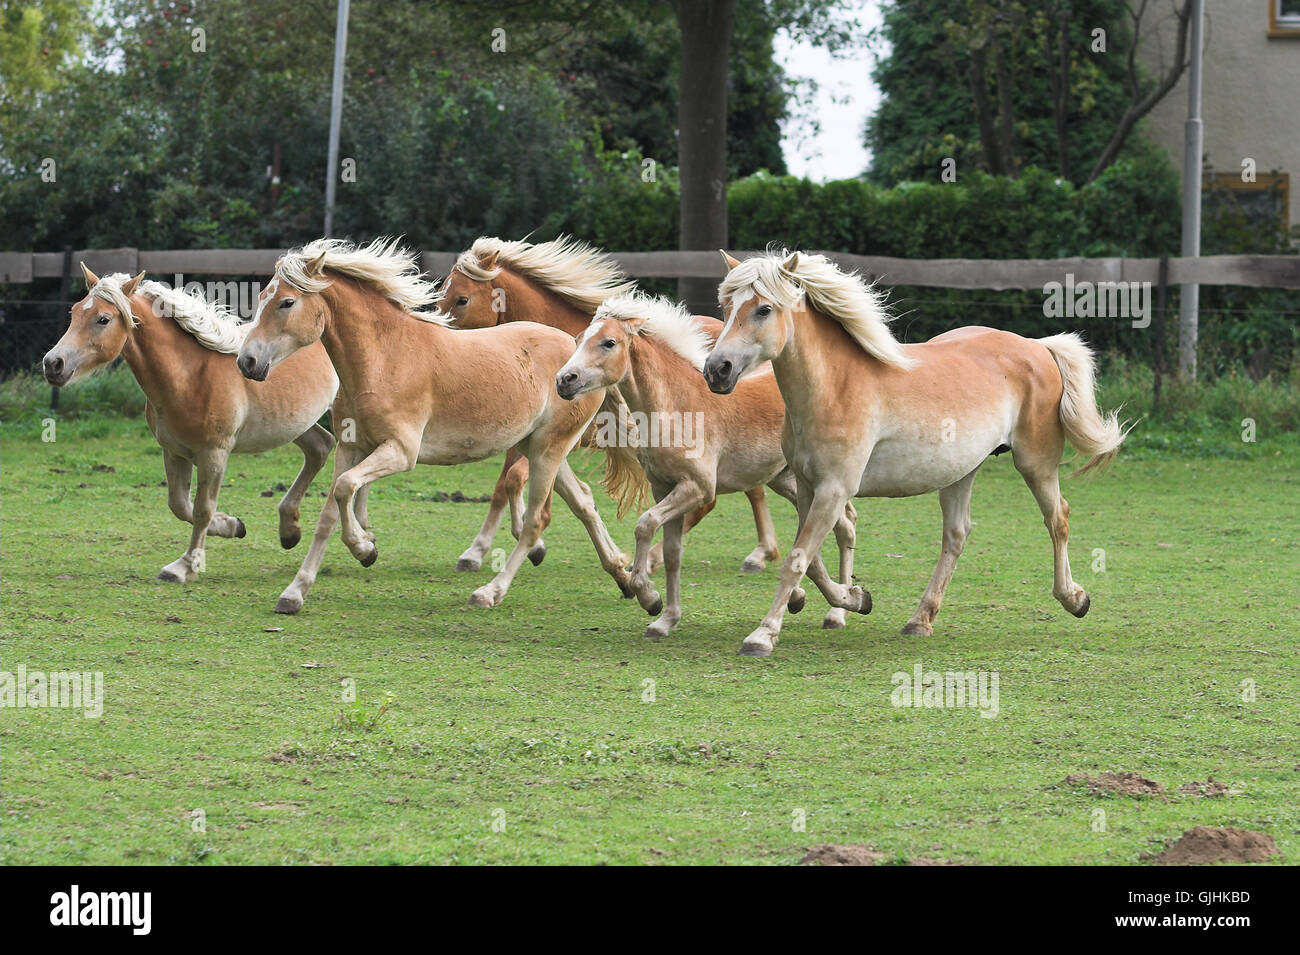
(213, 325)
(668, 321)
(384, 265)
(845, 297)
(581, 275)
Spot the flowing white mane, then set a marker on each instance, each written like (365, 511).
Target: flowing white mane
(842, 296)
(384, 265)
(213, 325)
(665, 320)
(579, 274)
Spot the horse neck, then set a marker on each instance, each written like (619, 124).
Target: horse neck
(807, 369)
(653, 381)
(363, 333)
(155, 351)
(526, 301)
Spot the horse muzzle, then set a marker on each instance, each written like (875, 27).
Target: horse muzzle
(721, 375)
(253, 367)
(57, 371)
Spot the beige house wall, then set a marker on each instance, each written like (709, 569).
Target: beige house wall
(1250, 91)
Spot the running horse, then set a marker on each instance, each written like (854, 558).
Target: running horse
(416, 392)
(198, 406)
(699, 444)
(561, 283)
(867, 416)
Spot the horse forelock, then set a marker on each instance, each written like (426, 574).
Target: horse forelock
(667, 321)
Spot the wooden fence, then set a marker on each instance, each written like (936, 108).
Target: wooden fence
(1266, 271)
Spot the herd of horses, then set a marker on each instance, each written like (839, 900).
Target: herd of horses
(532, 349)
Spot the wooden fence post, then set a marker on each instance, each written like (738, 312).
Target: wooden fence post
(1158, 334)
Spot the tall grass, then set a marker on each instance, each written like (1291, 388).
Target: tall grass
(113, 392)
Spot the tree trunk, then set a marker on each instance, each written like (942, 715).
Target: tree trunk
(1006, 123)
(706, 27)
(984, 110)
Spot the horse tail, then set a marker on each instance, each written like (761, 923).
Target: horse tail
(624, 478)
(1090, 431)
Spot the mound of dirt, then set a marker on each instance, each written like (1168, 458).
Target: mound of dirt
(1210, 788)
(1205, 844)
(829, 854)
(1122, 784)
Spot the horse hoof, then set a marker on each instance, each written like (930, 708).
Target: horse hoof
(755, 649)
(537, 555)
(656, 608)
(1083, 610)
(863, 599)
(753, 566)
(480, 599)
(797, 599)
(288, 605)
(833, 621)
(468, 564)
(371, 557)
(918, 630)
(170, 577)
(240, 529)
(290, 541)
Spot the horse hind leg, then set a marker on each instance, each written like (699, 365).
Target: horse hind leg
(846, 538)
(507, 492)
(211, 470)
(955, 501)
(1045, 485)
(767, 548)
(315, 444)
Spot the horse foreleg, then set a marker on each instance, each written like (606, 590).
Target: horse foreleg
(292, 598)
(390, 457)
(825, 508)
(315, 444)
(674, 530)
(684, 497)
(690, 521)
(211, 469)
(955, 501)
(846, 535)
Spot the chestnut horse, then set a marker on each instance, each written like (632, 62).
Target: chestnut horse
(198, 406)
(869, 417)
(693, 445)
(416, 392)
(561, 283)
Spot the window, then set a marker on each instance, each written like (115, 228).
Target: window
(1284, 18)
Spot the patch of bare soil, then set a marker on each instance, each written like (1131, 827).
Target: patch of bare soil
(1122, 784)
(926, 860)
(1205, 844)
(828, 854)
(1210, 788)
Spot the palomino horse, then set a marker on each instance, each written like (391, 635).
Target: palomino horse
(199, 407)
(417, 392)
(561, 283)
(869, 417)
(693, 444)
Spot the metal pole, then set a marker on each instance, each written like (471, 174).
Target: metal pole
(1194, 130)
(336, 113)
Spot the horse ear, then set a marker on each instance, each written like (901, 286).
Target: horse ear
(317, 265)
(792, 263)
(91, 278)
(490, 262)
(129, 287)
(731, 263)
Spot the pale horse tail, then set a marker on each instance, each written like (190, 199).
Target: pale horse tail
(624, 479)
(1090, 431)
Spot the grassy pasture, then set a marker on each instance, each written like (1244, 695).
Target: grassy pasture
(524, 733)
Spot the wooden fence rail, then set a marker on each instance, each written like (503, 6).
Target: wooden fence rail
(1267, 271)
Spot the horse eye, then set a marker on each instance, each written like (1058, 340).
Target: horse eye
(607, 343)
(462, 301)
(287, 303)
(763, 311)
(102, 320)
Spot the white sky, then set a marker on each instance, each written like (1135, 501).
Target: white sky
(844, 99)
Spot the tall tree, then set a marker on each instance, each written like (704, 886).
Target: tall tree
(706, 27)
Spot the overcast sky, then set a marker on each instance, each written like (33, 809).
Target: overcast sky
(845, 98)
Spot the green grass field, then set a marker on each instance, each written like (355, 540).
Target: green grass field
(526, 734)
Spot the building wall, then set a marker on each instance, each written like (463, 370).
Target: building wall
(1250, 91)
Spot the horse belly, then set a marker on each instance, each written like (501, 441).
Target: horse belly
(899, 468)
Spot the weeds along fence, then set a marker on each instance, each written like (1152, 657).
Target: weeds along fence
(1094, 294)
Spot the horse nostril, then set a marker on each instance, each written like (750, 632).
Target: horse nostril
(570, 378)
(724, 369)
(54, 365)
